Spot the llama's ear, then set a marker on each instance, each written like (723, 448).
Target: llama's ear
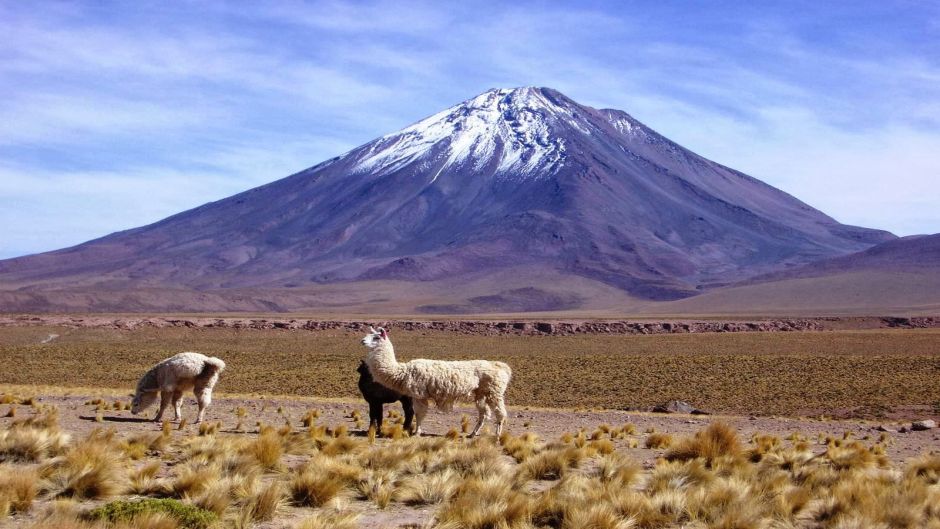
(383, 332)
(372, 329)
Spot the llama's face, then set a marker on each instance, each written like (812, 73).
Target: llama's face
(142, 401)
(374, 337)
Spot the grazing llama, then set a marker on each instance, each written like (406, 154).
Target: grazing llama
(172, 377)
(377, 395)
(480, 381)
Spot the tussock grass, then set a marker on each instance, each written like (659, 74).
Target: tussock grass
(330, 520)
(715, 441)
(267, 450)
(522, 447)
(263, 505)
(93, 468)
(483, 504)
(551, 464)
(657, 440)
(18, 489)
(33, 439)
(427, 489)
(709, 479)
(378, 487)
(321, 480)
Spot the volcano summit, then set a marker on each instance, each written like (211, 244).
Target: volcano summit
(516, 199)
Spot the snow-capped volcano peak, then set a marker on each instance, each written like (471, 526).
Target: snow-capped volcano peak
(511, 130)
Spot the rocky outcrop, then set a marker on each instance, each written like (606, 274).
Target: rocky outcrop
(552, 328)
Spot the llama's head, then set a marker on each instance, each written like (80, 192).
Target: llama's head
(143, 400)
(375, 337)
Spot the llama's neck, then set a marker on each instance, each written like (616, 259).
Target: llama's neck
(148, 382)
(384, 367)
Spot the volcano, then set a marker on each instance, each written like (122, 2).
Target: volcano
(514, 199)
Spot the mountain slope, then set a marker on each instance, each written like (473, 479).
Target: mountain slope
(902, 276)
(523, 178)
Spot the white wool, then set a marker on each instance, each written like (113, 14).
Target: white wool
(483, 382)
(174, 375)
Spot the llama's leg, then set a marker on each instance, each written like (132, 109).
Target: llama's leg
(375, 415)
(178, 403)
(165, 397)
(498, 406)
(409, 410)
(203, 398)
(421, 409)
(481, 410)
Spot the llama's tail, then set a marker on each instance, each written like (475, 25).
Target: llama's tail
(504, 367)
(212, 367)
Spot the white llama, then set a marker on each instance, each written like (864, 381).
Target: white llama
(172, 377)
(480, 381)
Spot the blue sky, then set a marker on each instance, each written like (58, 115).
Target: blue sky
(117, 114)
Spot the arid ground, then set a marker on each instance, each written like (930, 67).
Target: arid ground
(797, 437)
(867, 374)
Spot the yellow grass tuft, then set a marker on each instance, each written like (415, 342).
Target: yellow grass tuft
(550, 464)
(92, 469)
(483, 504)
(717, 440)
(18, 488)
(330, 520)
(522, 447)
(427, 489)
(315, 489)
(267, 450)
(33, 439)
(658, 440)
(378, 487)
(262, 506)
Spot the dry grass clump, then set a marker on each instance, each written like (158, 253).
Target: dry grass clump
(484, 503)
(709, 479)
(378, 487)
(427, 489)
(330, 520)
(263, 505)
(33, 439)
(18, 489)
(550, 464)
(715, 441)
(93, 468)
(658, 440)
(522, 447)
(267, 450)
(321, 480)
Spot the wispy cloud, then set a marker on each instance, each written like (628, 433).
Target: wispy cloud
(140, 111)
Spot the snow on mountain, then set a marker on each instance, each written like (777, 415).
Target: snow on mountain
(510, 128)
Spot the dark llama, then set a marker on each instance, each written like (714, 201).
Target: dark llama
(377, 395)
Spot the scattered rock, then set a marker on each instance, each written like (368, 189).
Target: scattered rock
(883, 428)
(926, 424)
(902, 429)
(678, 406)
(547, 328)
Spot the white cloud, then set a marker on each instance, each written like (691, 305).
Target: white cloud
(188, 103)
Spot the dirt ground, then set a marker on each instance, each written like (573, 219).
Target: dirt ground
(79, 418)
